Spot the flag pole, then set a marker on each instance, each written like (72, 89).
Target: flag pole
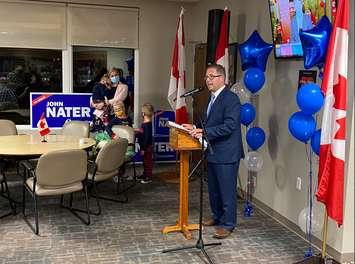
(325, 234)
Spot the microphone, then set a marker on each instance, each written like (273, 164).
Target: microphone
(189, 93)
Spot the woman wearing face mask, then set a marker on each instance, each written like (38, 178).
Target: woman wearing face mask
(121, 90)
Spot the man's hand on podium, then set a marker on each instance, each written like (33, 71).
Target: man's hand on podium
(188, 127)
(194, 132)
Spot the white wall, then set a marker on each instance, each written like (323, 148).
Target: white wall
(285, 158)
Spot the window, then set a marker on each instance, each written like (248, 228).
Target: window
(23, 71)
(90, 63)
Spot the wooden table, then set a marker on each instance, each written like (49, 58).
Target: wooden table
(31, 145)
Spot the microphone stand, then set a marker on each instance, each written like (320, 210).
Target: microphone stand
(199, 243)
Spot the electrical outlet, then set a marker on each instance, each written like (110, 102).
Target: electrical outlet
(299, 183)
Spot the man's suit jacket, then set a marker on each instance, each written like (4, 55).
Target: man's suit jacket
(223, 129)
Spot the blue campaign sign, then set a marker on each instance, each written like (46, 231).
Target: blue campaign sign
(161, 119)
(162, 149)
(60, 107)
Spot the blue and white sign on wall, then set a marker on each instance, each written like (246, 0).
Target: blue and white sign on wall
(161, 119)
(60, 107)
(162, 150)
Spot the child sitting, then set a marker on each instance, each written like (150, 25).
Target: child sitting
(120, 118)
(145, 140)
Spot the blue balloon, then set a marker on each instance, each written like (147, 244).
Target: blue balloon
(254, 79)
(310, 98)
(315, 141)
(254, 52)
(301, 126)
(247, 114)
(255, 137)
(315, 43)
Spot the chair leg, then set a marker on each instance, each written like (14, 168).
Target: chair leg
(75, 210)
(125, 200)
(35, 229)
(122, 191)
(97, 200)
(24, 200)
(5, 189)
(134, 170)
(87, 202)
(36, 213)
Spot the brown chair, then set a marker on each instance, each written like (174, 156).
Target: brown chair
(106, 166)
(76, 128)
(57, 173)
(7, 128)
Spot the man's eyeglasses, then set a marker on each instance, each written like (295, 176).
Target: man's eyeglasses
(211, 77)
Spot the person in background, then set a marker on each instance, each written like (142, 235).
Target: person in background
(295, 29)
(99, 102)
(223, 130)
(120, 118)
(97, 78)
(119, 90)
(145, 140)
(306, 19)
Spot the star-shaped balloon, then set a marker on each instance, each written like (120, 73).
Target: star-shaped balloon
(315, 43)
(254, 52)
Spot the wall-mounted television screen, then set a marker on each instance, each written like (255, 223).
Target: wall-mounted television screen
(288, 17)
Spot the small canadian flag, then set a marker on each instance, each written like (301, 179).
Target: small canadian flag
(43, 126)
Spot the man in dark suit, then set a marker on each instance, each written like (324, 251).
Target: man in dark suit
(222, 125)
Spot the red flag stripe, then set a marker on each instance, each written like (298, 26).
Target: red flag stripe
(332, 150)
(178, 76)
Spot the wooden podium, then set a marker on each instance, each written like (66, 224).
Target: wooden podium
(181, 141)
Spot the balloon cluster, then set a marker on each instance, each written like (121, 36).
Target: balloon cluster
(302, 124)
(254, 54)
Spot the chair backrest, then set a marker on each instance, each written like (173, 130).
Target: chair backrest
(76, 129)
(7, 128)
(126, 132)
(61, 168)
(111, 156)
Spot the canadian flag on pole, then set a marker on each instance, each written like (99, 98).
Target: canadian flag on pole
(177, 75)
(332, 147)
(43, 126)
(222, 56)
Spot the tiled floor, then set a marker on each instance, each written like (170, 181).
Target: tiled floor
(131, 233)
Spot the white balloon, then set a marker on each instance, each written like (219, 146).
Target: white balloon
(239, 89)
(317, 219)
(253, 161)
